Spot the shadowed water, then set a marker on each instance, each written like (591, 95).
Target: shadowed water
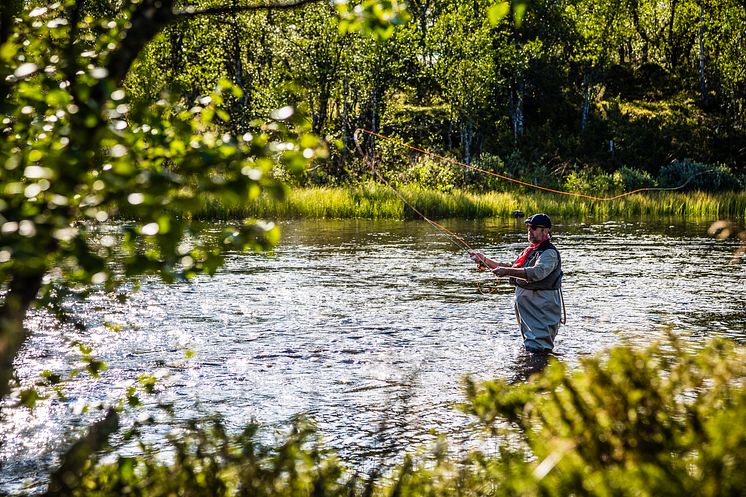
(368, 327)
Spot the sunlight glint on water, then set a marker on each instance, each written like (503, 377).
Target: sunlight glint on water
(369, 327)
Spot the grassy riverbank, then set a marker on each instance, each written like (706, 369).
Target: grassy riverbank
(375, 201)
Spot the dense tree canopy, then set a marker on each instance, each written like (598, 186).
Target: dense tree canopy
(574, 84)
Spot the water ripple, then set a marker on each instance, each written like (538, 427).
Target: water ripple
(367, 327)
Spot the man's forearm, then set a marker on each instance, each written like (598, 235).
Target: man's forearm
(512, 272)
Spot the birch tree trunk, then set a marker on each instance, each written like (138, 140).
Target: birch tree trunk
(586, 108)
(467, 137)
(345, 110)
(517, 93)
(702, 58)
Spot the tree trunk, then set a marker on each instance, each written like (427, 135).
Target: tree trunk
(8, 11)
(467, 138)
(634, 9)
(21, 294)
(238, 122)
(374, 112)
(176, 42)
(319, 118)
(673, 45)
(586, 100)
(702, 58)
(517, 93)
(345, 130)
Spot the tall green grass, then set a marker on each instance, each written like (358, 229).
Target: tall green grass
(376, 201)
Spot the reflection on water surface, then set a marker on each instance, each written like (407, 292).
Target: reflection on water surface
(368, 328)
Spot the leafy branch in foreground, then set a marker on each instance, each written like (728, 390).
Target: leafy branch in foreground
(75, 153)
(655, 422)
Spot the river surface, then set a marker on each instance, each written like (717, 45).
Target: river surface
(368, 328)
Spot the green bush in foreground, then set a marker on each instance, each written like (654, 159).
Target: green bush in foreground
(655, 422)
(638, 422)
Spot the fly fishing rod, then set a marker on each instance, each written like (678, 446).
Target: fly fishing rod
(457, 240)
(453, 237)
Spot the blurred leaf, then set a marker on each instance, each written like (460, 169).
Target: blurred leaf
(497, 11)
(29, 397)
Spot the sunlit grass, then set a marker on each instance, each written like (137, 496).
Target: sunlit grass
(377, 201)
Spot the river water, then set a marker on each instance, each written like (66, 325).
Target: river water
(368, 328)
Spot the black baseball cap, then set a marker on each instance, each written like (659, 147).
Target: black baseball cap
(539, 220)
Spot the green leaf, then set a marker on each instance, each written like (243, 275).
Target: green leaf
(95, 366)
(50, 377)
(519, 10)
(30, 397)
(148, 381)
(497, 12)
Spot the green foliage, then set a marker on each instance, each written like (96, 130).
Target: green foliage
(78, 153)
(482, 182)
(698, 176)
(374, 17)
(206, 460)
(424, 125)
(598, 183)
(499, 10)
(656, 422)
(634, 179)
(651, 422)
(648, 133)
(560, 84)
(432, 174)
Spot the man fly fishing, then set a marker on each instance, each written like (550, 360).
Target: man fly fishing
(537, 276)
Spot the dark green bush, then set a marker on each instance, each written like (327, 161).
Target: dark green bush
(435, 174)
(633, 179)
(697, 176)
(483, 182)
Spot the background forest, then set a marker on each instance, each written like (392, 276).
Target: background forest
(593, 96)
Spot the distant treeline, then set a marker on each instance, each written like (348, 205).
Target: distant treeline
(574, 90)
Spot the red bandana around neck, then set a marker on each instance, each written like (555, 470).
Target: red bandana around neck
(528, 251)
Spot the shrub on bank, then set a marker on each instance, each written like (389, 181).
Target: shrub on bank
(599, 183)
(697, 176)
(656, 422)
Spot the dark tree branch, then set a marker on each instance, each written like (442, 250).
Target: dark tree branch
(191, 13)
(148, 19)
(71, 62)
(67, 478)
(21, 294)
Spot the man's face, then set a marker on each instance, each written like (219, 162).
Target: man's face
(536, 234)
